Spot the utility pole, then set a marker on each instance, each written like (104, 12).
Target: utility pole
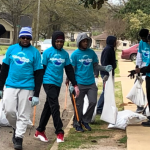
(37, 26)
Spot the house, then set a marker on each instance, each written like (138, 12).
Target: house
(99, 42)
(7, 38)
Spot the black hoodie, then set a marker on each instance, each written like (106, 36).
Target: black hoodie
(108, 56)
(54, 37)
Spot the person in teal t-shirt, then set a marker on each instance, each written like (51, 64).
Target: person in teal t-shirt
(22, 74)
(55, 60)
(85, 61)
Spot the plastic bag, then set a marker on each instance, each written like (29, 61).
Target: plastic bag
(136, 94)
(127, 117)
(86, 104)
(109, 113)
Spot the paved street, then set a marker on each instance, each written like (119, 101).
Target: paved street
(29, 142)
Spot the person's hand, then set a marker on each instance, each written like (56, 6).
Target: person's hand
(108, 68)
(132, 74)
(137, 70)
(1, 94)
(105, 78)
(77, 91)
(34, 101)
(67, 82)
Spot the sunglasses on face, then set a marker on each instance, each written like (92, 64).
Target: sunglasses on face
(59, 41)
(25, 37)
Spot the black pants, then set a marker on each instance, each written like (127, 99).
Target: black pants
(148, 90)
(51, 107)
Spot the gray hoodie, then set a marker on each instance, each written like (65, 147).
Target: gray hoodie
(82, 36)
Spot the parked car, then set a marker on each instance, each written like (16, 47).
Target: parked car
(130, 53)
(46, 44)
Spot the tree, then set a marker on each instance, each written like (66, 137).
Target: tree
(94, 3)
(16, 8)
(135, 22)
(133, 5)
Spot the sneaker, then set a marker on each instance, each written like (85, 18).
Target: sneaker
(146, 124)
(18, 143)
(60, 137)
(86, 126)
(139, 109)
(41, 136)
(79, 129)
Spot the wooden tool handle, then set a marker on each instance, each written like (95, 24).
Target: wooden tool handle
(34, 113)
(75, 107)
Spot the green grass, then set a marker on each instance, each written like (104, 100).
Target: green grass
(123, 140)
(117, 71)
(3, 49)
(75, 140)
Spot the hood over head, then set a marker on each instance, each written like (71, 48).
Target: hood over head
(82, 36)
(111, 40)
(55, 36)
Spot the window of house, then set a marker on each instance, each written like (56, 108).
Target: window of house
(6, 35)
(124, 44)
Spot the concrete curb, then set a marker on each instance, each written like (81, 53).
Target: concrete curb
(67, 129)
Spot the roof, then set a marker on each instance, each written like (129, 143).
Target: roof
(102, 36)
(6, 17)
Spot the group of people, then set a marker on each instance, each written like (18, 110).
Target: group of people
(23, 72)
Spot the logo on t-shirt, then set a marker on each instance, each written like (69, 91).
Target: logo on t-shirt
(86, 61)
(20, 58)
(146, 52)
(57, 60)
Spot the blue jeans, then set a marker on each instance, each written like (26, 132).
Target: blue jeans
(100, 103)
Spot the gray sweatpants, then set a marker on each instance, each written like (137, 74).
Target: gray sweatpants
(16, 101)
(91, 91)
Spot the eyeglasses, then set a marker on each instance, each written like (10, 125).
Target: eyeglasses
(59, 41)
(25, 37)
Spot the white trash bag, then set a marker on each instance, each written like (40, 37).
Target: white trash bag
(125, 118)
(136, 94)
(109, 113)
(86, 104)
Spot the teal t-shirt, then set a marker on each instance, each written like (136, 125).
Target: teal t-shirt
(22, 61)
(144, 49)
(83, 61)
(55, 61)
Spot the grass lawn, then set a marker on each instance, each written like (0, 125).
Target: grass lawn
(99, 128)
(3, 49)
(117, 72)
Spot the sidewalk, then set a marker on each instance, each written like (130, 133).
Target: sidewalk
(138, 136)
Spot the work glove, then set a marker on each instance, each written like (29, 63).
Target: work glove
(132, 74)
(71, 88)
(108, 68)
(1, 94)
(34, 101)
(75, 88)
(105, 78)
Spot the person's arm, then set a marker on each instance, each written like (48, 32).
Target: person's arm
(145, 69)
(3, 75)
(139, 56)
(38, 79)
(70, 74)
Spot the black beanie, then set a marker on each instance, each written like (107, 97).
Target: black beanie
(2, 29)
(143, 32)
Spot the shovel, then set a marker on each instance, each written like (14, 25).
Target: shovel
(76, 111)
(65, 113)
